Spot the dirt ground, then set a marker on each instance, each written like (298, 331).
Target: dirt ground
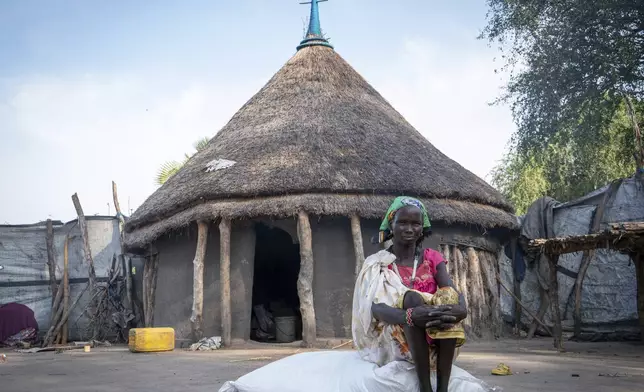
(588, 367)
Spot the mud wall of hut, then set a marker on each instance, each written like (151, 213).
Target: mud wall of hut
(173, 304)
(334, 275)
(472, 263)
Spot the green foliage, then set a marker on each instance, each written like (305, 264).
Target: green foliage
(571, 64)
(170, 168)
(567, 168)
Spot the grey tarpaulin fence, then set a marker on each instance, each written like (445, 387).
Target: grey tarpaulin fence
(609, 295)
(24, 274)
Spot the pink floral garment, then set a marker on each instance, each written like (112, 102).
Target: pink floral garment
(425, 274)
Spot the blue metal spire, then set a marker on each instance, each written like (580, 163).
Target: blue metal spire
(314, 35)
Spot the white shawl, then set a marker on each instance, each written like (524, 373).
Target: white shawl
(376, 283)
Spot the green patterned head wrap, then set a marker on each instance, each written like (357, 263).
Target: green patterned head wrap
(400, 202)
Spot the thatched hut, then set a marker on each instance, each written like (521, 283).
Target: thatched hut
(283, 201)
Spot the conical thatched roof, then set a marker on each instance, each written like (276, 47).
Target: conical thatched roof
(317, 137)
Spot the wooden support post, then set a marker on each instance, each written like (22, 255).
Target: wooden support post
(589, 255)
(535, 319)
(65, 330)
(54, 329)
(305, 280)
(127, 265)
(543, 308)
(639, 273)
(51, 260)
(150, 270)
(224, 278)
(553, 292)
(56, 309)
(358, 248)
(477, 302)
(516, 288)
(82, 224)
(197, 283)
(146, 289)
(117, 207)
(125, 262)
(153, 286)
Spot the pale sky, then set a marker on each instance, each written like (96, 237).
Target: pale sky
(95, 91)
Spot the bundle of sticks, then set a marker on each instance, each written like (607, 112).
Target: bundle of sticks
(60, 310)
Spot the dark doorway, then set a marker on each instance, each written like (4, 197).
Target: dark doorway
(276, 306)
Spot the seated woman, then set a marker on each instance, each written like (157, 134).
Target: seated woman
(405, 306)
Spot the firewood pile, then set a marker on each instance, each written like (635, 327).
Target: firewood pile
(110, 308)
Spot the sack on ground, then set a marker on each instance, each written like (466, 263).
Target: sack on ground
(343, 371)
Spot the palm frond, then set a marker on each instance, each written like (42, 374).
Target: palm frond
(167, 170)
(170, 168)
(201, 143)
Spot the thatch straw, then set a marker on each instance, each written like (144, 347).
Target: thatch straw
(318, 127)
(369, 207)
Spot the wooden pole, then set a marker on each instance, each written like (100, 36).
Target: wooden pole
(305, 280)
(589, 255)
(197, 283)
(125, 262)
(553, 292)
(55, 329)
(146, 289)
(82, 223)
(358, 248)
(153, 267)
(639, 273)
(516, 286)
(51, 260)
(65, 331)
(478, 300)
(117, 207)
(224, 277)
(543, 308)
(150, 269)
(488, 268)
(518, 301)
(56, 309)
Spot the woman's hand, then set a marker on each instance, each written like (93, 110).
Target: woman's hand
(447, 316)
(427, 316)
(443, 316)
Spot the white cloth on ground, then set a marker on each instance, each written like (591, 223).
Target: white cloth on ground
(343, 371)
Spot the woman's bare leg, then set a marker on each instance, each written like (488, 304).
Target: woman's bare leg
(417, 341)
(446, 349)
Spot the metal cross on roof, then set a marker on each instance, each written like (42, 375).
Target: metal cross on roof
(314, 35)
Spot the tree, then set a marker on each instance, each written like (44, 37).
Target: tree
(170, 168)
(568, 167)
(573, 64)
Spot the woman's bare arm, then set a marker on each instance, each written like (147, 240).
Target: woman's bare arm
(388, 314)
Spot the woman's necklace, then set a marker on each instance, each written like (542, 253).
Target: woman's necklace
(412, 280)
